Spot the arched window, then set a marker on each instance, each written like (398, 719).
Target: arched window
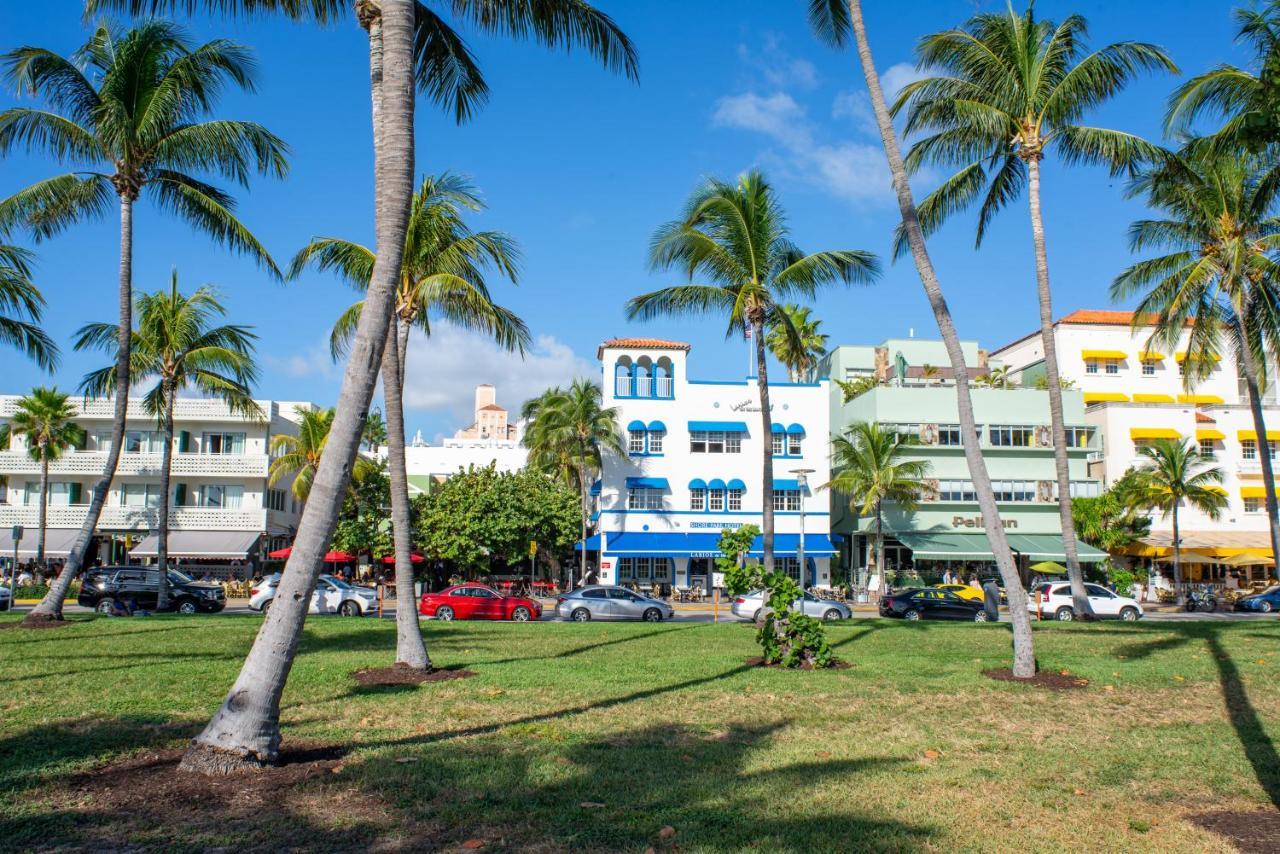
(622, 386)
(644, 377)
(663, 383)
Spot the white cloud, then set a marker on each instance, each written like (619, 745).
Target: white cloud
(444, 370)
(777, 116)
(897, 77)
(856, 106)
(776, 66)
(314, 361)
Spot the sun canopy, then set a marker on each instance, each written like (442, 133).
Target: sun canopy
(737, 484)
(57, 542)
(645, 543)
(593, 544)
(795, 429)
(1153, 398)
(1104, 397)
(656, 426)
(646, 483)
(1250, 435)
(718, 426)
(216, 545)
(1154, 433)
(1199, 399)
(1104, 354)
(637, 425)
(1048, 567)
(697, 483)
(1211, 435)
(716, 483)
(945, 545)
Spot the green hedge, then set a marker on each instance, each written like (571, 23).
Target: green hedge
(38, 591)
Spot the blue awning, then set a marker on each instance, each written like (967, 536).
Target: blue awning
(593, 544)
(595, 488)
(647, 483)
(644, 543)
(726, 426)
(778, 428)
(697, 483)
(786, 485)
(637, 425)
(737, 484)
(657, 425)
(716, 484)
(795, 429)
(815, 545)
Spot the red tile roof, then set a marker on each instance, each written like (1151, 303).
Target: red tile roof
(1201, 418)
(1105, 317)
(492, 407)
(641, 344)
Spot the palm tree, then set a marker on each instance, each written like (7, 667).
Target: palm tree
(1219, 274)
(1246, 102)
(835, 21)
(442, 273)
(127, 112)
(567, 434)
(995, 378)
(177, 345)
(375, 431)
(21, 307)
(408, 44)
(298, 457)
(44, 417)
(1174, 471)
(872, 466)
(735, 237)
(1010, 90)
(798, 353)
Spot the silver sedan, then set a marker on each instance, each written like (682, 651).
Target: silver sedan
(600, 602)
(751, 606)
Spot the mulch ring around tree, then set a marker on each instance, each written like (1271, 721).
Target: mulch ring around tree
(42, 624)
(1054, 680)
(758, 661)
(401, 674)
(1249, 831)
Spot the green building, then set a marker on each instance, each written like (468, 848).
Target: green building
(902, 383)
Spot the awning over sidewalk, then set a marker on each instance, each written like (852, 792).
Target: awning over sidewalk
(955, 546)
(593, 544)
(645, 544)
(215, 545)
(1218, 544)
(57, 542)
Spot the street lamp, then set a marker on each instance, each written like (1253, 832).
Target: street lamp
(802, 481)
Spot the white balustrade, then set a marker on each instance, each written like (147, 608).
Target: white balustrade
(185, 409)
(141, 518)
(662, 387)
(140, 465)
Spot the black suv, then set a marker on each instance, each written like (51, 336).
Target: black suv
(136, 586)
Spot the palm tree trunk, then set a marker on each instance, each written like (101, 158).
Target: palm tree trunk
(1177, 560)
(882, 566)
(50, 607)
(583, 506)
(162, 520)
(402, 340)
(1024, 660)
(1260, 428)
(766, 425)
(410, 649)
(1079, 596)
(245, 731)
(43, 519)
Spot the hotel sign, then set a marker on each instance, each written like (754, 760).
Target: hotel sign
(745, 406)
(976, 522)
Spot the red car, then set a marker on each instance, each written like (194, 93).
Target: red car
(478, 602)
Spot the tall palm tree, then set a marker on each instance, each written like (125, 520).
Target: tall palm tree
(45, 418)
(734, 237)
(1175, 471)
(442, 273)
(567, 434)
(1011, 89)
(835, 21)
(872, 466)
(128, 113)
(178, 345)
(375, 431)
(298, 457)
(1246, 102)
(21, 306)
(1219, 274)
(800, 351)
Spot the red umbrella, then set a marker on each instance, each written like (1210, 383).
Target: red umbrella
(391, 559)
(339, 557)
(281, 554)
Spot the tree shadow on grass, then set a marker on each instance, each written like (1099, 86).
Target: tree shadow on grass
(580, 650)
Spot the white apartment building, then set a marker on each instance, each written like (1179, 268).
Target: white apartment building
(693, 468)
(222, 508)
(1135, 393)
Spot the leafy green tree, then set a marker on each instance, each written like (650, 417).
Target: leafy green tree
(375, 431)
(21, 306)
(785, 637)
(1216, 280)
(567, 433)
(797, 344)
(1010, 89)
(45, 418)
(856, 387)
(873, 465)
(1247, 102)
(180, 345)
(363, 525)
(1111, 521)
(127, 113)
(734, 238)
(837, 22)
(1173, 472)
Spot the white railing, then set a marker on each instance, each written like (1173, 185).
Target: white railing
(622, 387)
(644, 386)
(140, 518)
(1249, 467)
(662, 387)
(194, 409)
(143, 465)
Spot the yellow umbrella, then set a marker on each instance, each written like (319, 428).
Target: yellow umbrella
(1248, 560)
(1188, 559)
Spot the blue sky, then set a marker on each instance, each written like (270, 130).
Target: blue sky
(581, 166)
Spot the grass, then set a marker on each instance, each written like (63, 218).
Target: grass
(910, 749)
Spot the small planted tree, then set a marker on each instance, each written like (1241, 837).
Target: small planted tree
(786, 637)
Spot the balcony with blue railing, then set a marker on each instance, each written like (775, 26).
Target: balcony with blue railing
(644, 379)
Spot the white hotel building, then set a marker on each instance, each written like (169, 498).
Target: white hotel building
(1135, 394)
(222, 509)
(693, 468)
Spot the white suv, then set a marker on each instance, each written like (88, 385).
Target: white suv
(1053, 601)
(332, 596)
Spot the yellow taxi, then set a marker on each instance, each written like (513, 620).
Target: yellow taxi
(964, 591)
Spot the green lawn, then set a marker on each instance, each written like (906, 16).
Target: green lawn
(665, 726)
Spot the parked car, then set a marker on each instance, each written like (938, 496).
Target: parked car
(1266, 601)
(136, 586)
(1052, 600)
(331, 596)
(478, 602)
(6, 599)
(751, 606)
(601, 602)
(929, 603)
(964, 591)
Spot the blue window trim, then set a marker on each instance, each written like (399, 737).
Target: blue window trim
(646, 429)
(631, 382)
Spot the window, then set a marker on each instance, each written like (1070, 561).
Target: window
(1014, 490)
(1095, 590)
(956, 490)
(655, 441)
(1148, 369)
(697, 499)
(1080, 489)
(779, 444)
(789, 565)
(143, 442)
(1113, 367)
(639, 569)
(635, 442)
(140, 495)
(1090, 366)
(643, 498)
(64, 493)
(1206, 449)
(1079, 437)
(786, 500)
(714, 442)
(599, 592)
(223, 443)
(1248, 449)
(793, 444)
(277, 499)
(1011, 436)
(715, 500)
(1253, 505)
(735, 500)
(949, 435)
(31, 494)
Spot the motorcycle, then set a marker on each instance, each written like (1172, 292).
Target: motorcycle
(1200, 600)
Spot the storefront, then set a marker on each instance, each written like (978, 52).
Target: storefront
(688, 560)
